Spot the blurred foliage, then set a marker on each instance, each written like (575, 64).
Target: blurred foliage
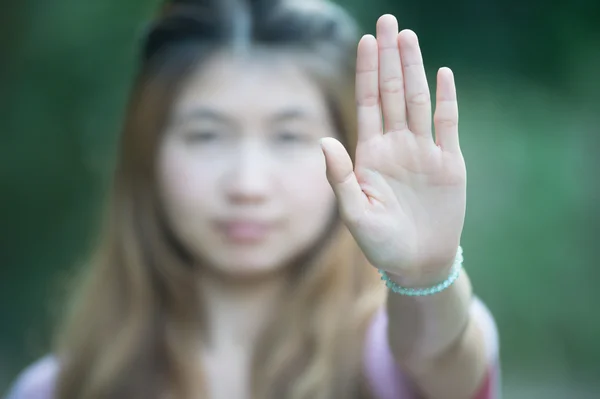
(528, 88)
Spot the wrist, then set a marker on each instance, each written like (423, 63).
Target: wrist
(422, 279)
(428, 272)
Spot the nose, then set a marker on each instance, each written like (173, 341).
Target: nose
(248, 180)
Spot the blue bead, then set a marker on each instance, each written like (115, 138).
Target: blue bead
(454, 273)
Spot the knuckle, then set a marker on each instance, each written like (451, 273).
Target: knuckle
(368, 99)
(420, 98)
(396, 125)
(392, 85)
(445, 122)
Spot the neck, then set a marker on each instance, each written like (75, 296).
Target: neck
(237, 309)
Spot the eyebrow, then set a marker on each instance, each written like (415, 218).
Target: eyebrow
(203, 113)
(216, 116)
(289, 114)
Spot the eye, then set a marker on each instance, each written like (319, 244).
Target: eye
(290, 137)
(202, 136)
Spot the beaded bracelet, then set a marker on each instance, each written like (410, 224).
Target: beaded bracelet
(454, 273)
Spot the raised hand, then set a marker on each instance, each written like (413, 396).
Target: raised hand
(404, 199)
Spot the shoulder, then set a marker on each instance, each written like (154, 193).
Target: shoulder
(37, 381)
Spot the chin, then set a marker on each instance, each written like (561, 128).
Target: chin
(247, 267)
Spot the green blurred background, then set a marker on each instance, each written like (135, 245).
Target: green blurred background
(528, 81)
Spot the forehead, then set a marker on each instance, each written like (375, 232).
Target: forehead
(251, 85)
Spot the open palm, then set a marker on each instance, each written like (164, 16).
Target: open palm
(404, 198)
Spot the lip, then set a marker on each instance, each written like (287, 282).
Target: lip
(245, 231)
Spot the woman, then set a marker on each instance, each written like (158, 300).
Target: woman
(241, 254)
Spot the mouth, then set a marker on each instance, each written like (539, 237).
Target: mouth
(245, 232)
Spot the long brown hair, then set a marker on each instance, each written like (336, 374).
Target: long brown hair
(137, 319)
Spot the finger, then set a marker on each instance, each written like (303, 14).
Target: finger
(446, 112)
(340, 174)
(418, 101)
(391, 84)
(367, 89)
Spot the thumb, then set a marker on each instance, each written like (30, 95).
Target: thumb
(342, 179)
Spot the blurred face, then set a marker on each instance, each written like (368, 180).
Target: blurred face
(241, 172)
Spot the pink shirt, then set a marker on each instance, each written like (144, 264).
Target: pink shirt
(385, 377)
